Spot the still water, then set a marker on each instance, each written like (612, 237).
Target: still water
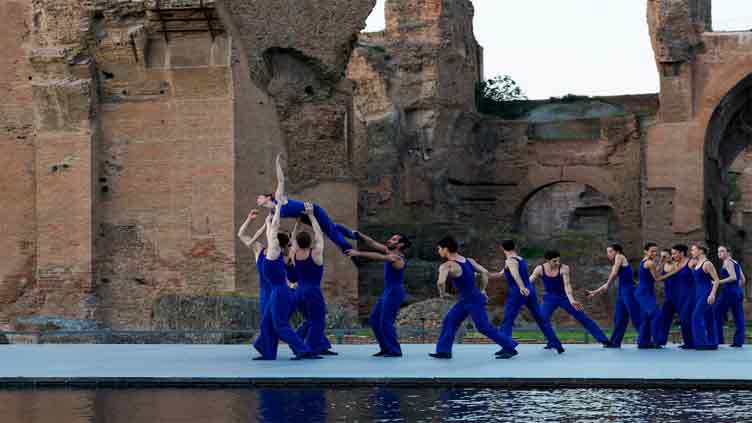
(373, 405)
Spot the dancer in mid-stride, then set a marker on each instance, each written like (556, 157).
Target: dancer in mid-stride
(731, 298)
(292, 208)
(679, 294)
(384, 313)
(308, 257)
(472, 301)
(521, 293)
(706, 288)
(275, 324)
(558, 292)
(258, 253)
(626, 304)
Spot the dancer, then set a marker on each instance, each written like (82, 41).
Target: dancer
(258, 253)
(472, 301)
(706, 289)
(275, 324)
(558, 293)
(384, 313)
(679, 285)
(295, 209)
(626, 305)
(521, 293)
(308, 257)
(731, 298)
(645, 296)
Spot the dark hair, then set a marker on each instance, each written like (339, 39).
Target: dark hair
(303, 239)
(304, 219)
(666, 250)
(728, 250)
(703, 248)
(270, 195)
(508, 245)
(551, 254)
(449, 243)
(284, 239)
(649, 245)
(617, 248)
(405, 241)
(681, 248)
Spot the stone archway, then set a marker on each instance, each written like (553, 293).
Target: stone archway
(729, 133)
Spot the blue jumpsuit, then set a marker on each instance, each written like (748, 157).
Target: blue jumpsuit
(703, 317)
(515, 301)
(384, 313)
(731, 298)
(310, 301)
(650, 318)
(264, 288)
(555, 296)
(626, 306)
(471, 303)
(275, 324)
(679, 290)
(296, 209)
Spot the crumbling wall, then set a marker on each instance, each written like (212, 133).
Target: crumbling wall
(17, 165)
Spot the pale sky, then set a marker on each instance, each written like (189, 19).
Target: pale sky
(584, 47)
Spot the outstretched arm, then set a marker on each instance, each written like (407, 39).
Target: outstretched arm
(397, 261)
(614, 271)
(371, 243)
(317, 252)
(280, 194)
(568, 288)
(674, 270)
(250, 241)
(272, 229)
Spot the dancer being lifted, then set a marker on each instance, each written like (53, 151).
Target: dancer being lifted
(259, 256)
(308, 256)
(731, 298)
(292, 208)
(472, 301)
(521, 293)
(384, 313)
(626, 304)
(275, 324)
(558, 293)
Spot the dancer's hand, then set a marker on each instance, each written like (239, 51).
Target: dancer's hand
(595, 292)
(308, 208)
(253, 214)
(352, 253)
(711, 299)
(577, 305)
(524, 291)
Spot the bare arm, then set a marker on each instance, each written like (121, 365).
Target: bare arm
(537, 273)
(272, 229)
(317, 252)
(397, 261)
(370, 242)
(280, 194)
(708, 268)
(614, 272)
(674, 270)
(294, 242)
(650, 265)
(441, 282)
(568, 288)
(514, 269)
(731, 269)
(483, 274)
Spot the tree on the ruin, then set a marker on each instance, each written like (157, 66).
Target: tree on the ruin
(501, 96)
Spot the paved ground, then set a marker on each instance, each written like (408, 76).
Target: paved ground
(195, 365)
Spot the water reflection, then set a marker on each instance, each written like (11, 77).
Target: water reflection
(372, 404)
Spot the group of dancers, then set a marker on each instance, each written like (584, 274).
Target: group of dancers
(291, 269)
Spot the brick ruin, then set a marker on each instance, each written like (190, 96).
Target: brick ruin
(136, 135)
